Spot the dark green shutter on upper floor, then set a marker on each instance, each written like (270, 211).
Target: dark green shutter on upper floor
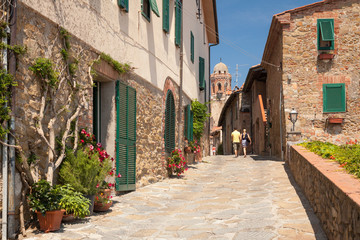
(169, 122)
(124, 4)
(125, 137)
(192, 47)
(166, 15)
(334, 97)
(201, 73)
(325, 34)
(178, 13)
(154, 7)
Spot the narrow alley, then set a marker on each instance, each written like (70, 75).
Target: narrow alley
(222, 198)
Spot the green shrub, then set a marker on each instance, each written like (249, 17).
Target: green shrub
(74, 202)
(84, 170)
(347, 155)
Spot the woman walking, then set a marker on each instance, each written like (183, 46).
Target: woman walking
(245, 141)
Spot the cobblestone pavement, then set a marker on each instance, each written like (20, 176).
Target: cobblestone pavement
(222, 198)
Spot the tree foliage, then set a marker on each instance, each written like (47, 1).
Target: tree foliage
(201, 114)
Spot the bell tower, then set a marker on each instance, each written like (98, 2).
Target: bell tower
(220, 82)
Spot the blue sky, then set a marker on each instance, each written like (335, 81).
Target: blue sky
(244, 26)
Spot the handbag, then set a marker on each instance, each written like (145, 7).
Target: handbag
(247, 138)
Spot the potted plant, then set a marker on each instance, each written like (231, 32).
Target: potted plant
(103, 197)
(87, 167)
(45, 201)
(74, 204)
(176, 164)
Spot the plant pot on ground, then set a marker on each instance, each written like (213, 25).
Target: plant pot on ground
(45, 201)
(74, 203)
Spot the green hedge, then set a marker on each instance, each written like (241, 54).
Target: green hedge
(347, 155)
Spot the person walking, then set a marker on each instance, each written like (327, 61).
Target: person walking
(245, 141)
(235, 136)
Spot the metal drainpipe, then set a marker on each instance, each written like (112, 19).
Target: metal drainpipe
(281, 135)
(212, 45)
(181, 80)
(5, 158)
(12, 70)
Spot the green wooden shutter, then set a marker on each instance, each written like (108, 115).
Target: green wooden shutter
(154, 7)
(166, 15)
(201, 73)
(169, 122)
(96, 111)
(124, 4)
(192, 46)
(188, 126)
(325, 33)
(178, 14)
(334, 97)
(186, 122)
(125, 137)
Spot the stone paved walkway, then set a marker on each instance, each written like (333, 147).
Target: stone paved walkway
(222, 198)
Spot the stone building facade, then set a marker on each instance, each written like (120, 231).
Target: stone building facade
(127, 37)
(235, 114)
(311, 59)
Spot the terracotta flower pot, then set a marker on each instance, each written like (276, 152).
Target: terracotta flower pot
(102, 207)
(51, 221)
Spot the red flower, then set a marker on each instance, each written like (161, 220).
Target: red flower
(97, 186)
(119, 175)
(82, 141)
(109, 184)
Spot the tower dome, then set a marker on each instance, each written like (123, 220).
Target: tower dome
(221, 68)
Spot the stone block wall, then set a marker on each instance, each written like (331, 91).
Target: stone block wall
(304, 74)
(332, 193)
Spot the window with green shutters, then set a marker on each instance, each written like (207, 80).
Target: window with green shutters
(125, 137)
(201, 73)
(178, 13)
(192, 46)
(146, 6)
(166, 13)
(325, 34)
(124, 4)
(169, 122)
(188, 126)
(334, 97)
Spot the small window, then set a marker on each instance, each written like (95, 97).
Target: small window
(219, 86)
(213, 88)
(334, 97)
(192, 47)
(325, 34)
(225, 86)
(146, 9)
(124, 4)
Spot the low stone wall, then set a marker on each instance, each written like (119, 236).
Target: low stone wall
(333, 194)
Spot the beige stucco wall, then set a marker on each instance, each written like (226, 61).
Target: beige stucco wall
(130, 37)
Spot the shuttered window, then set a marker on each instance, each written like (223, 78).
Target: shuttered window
(188, 126)
(325, 34)
(154, 7)
(334, 97)
(178, 13)
(166, 15)
(192, 46)
(145, 9)
(169, 122)
(201, 73)
(125, 137)
(124, 4)
(97, 111)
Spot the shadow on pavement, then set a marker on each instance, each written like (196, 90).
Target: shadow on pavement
(315, 222)
(265, 158)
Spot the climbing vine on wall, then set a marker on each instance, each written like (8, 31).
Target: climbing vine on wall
(201, 114)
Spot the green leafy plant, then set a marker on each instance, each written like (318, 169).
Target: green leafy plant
(6, 81)
(84, 171)
(44, 68)
(44, 197)
(176, 163)
(347, 155)
(119, 67)
(200, 116)
(74, 202)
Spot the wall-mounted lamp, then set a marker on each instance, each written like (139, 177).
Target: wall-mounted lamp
(293, 118)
